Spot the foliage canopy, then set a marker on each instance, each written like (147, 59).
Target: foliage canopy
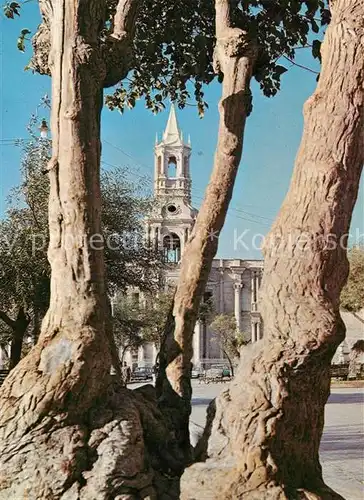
(174, 45)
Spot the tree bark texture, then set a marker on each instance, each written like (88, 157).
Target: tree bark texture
(264, 440)
(72, 347)
(67, 431)
(234, 57)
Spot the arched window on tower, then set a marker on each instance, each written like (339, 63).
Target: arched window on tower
(172, 167)
(172, 248)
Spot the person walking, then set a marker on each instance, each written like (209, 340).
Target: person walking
(124, 373)
(128, 374)
(155, 372)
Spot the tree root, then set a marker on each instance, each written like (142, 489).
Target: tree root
(120, 450)
(262, 435)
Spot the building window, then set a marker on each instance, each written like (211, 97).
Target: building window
(172, 248)
(172, 209)
(172, 167)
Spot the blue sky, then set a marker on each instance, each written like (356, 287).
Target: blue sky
(272, 138)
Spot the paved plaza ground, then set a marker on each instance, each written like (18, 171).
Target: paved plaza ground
(342, 446)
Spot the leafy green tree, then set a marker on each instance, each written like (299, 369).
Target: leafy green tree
(229, 339)
(24, 267)
(156, 310)
(128, 321)
(138, 322)
(352, 296)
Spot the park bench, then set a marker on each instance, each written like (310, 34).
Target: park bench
(214, 375)
(340, 371)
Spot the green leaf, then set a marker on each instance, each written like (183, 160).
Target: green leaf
(20, 44)
(315, 26)
(316, 49)
(10, 9)
(279, 70)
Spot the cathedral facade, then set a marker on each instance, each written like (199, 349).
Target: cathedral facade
(233, 285)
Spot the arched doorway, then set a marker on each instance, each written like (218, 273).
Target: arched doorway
(172, 248)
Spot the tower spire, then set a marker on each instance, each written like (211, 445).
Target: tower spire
(172, 133)
(172, 163)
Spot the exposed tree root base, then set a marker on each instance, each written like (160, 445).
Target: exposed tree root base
(121, 450)
(219, 479)
(262, 434)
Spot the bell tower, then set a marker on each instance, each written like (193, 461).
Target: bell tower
(172, 162)
(174, 216)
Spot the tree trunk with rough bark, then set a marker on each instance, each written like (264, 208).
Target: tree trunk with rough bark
(72, 344)
(66, 430)
(230, 362)
(234, 57)
(264, 440)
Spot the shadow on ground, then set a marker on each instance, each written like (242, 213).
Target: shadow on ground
(343, 441)
(351, 398)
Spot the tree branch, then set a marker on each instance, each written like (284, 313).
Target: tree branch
(41, 41)
(232, 43)
(124, 19)
(301, 66)
(118, 49)
(223, 19)
(8, 321)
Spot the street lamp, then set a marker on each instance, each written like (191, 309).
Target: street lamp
(44, 129)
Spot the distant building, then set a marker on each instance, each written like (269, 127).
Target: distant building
(354, 332)
(233, 284)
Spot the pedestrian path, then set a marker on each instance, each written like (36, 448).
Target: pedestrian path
(342, 445)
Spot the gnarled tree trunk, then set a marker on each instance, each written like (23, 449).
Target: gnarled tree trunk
(265, 437)
(72, 345)
(66, 431)
(234, 57)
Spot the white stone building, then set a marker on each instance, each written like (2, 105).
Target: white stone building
(233, 284)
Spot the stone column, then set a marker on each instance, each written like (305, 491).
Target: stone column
(156, 238)
(257, 285)
(155, 354)
(221, 298)
(254, 290)
(197, 344)
(258, 331)
(148, 242)
(141, 356)
(237, 303)
(254, 336)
